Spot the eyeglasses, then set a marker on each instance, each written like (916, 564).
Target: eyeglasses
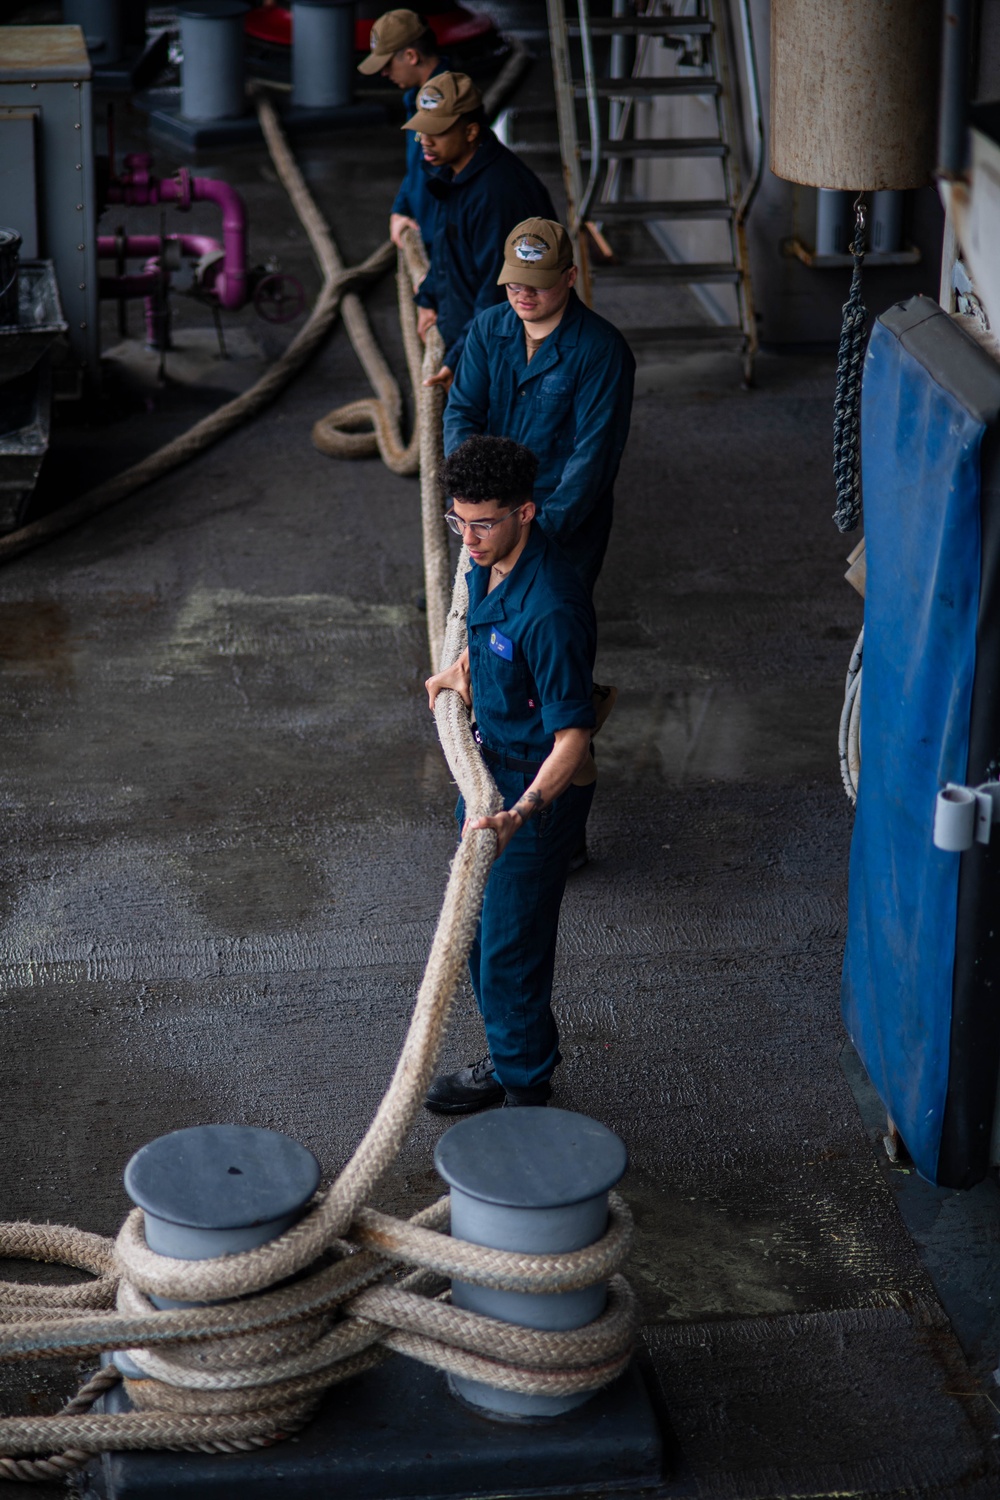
(480, 529)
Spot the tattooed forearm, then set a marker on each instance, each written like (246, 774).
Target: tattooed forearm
(529, 804)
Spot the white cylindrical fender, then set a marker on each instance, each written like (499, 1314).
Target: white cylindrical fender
(854, 90)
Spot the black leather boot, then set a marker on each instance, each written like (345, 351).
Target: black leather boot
(536, 1097)
(462, 1093)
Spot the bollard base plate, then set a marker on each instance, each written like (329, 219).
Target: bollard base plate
(164, 109)
(396, 1434)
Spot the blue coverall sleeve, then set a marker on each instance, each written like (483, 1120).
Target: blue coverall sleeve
(559, 649)
(401, 203)
(469, 400)
(602, 411)
(486, 237)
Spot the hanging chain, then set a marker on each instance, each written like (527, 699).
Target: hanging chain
(847, 401)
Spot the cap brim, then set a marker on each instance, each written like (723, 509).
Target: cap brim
(530, 276)
(375, 62)
(429, 122)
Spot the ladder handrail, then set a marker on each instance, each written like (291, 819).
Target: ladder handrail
(565, 111)
(756, 111)
(593, 108)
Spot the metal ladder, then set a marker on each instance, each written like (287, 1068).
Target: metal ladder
(699, 30)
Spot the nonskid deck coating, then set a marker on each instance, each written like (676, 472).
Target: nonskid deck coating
(227, 827)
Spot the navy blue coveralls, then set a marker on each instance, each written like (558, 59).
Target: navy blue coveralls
(531, 658)
(571, 406)
(413, 198)
(473, 215)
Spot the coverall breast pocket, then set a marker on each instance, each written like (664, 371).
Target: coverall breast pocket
(555, 393)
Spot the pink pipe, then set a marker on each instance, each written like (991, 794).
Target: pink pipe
(129, 286)
(192, 245)
(156, 306)
(138, 187)
(231, 286)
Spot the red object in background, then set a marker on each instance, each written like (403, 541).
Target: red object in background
(453, 28)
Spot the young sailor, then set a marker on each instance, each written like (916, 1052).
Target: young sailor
(527, 671)
(480, 189)
(548, 372)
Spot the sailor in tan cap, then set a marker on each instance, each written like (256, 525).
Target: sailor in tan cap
(404, 49)
(480, 188)
(549, 373)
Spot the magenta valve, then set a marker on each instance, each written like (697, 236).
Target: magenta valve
(279, 298)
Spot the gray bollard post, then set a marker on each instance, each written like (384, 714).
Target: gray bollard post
(834, 222)
(102, 25)
(887, 222)
(212, 73)
(533, 1180)
(322, 53)
(214, 1190)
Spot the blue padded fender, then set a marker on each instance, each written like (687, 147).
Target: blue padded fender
(921, 433)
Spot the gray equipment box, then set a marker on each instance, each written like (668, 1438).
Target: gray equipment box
(47, 178)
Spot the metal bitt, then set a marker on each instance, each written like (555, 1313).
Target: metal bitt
(833, 222)
(531, 1180)
(212, 73)
(322, 53)
(101, 22)
(214, 1190)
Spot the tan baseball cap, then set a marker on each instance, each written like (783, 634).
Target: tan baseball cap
(442, 102)
(536, 253)
(390, 34)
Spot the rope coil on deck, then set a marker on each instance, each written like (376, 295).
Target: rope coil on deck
(243, 1374)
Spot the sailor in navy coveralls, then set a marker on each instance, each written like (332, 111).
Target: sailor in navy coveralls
(527, 673)
(404, 50)
(480, 188)
(549, 373)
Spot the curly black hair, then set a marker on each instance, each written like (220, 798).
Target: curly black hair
(489, 468)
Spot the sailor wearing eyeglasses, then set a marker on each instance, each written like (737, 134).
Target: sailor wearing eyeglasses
(548, 372)
(527, 672)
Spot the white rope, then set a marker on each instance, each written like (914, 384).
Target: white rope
(849, 736)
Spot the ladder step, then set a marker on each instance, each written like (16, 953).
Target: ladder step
(661, 26)
(653, 88)
(529, 109)
(673, 146)
(690, 272)
(534, 148)
(663, 208)
(729, 335)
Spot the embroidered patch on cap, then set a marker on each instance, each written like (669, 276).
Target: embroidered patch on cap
(531, 247)
(501, 645)
(431, 99)
(373, 39)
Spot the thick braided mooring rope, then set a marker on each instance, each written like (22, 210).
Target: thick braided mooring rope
(243, 1374)
(847, 400)
(373, 424)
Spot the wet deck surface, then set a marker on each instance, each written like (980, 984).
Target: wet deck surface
(227, 826)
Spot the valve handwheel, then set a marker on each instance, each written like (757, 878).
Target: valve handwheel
(279, 298)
